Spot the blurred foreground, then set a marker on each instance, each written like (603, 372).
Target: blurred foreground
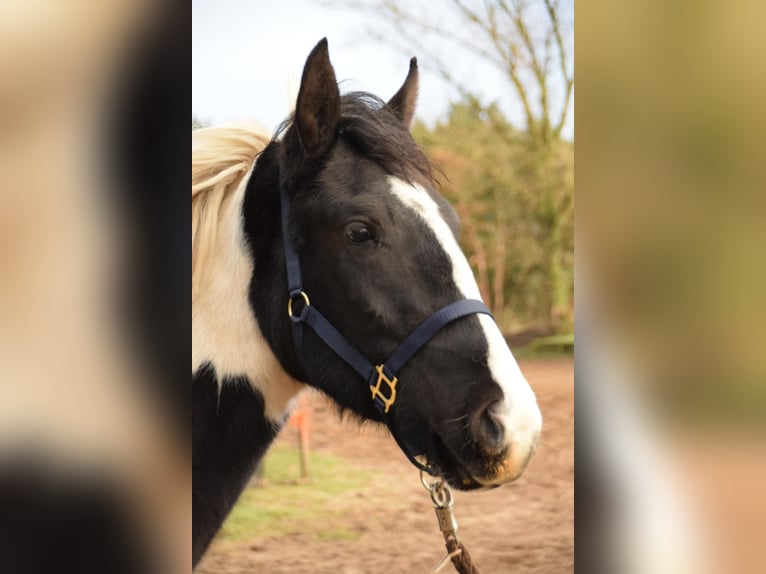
(94, 470)
(671, 276)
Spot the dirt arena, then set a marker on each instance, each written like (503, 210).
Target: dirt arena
(524, 527)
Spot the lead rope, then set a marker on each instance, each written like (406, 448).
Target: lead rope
(441, 496)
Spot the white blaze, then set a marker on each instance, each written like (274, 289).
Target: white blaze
(520, 413)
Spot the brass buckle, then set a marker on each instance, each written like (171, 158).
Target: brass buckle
(382, 378)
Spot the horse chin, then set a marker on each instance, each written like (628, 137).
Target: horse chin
(479, 473)
(455, 472)
(458, 477)
(465, 483)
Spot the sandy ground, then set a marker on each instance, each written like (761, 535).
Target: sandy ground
(524, 527)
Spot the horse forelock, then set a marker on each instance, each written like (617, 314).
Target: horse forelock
(374, 130)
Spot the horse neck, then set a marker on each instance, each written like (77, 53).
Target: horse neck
(240, 390)
(230, 436)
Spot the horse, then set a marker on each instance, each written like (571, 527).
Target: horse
(321, 256)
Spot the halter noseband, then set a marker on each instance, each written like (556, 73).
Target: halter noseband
(381, 378)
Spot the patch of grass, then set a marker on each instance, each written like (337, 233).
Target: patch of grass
(338, 533)
(553, 346)
(284, 505)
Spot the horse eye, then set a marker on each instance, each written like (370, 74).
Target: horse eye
(359, 234)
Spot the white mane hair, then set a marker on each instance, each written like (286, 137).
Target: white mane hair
(225, 333)
(221, 157)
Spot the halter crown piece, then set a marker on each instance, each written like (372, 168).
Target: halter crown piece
(381, 378)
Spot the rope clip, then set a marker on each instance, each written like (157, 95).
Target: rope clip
(441, 496)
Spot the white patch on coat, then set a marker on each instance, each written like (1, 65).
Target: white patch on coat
(224, 328)
(520, 414)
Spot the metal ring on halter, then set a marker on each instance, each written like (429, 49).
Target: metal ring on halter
(424, 480)
(441, 495)
(306, 305)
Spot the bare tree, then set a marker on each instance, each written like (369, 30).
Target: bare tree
(529, 42)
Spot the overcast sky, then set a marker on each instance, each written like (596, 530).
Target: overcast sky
(246, 54)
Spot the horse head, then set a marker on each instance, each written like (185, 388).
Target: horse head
(378, 248)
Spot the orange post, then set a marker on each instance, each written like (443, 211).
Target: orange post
(301, 419)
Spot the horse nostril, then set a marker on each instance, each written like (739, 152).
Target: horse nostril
(490, 431)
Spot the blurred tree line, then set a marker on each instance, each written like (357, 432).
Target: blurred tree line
(515, 200)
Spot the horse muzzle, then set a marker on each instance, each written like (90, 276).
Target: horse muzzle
(505, 442)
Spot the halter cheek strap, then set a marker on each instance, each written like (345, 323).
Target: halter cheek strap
(382, 378)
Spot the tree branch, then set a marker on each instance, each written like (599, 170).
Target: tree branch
(499, 32)
(568, 79)
(432, 61)
(509, 59)
(538, 70)
(401, 19)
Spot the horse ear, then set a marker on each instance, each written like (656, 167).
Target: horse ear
(317, 110)
(404, 101)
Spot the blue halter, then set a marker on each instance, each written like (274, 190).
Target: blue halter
(382, 378)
